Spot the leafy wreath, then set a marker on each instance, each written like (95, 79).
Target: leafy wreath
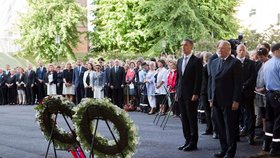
(85, 120)
(45, 117)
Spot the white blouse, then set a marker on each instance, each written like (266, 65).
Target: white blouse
(90, 78)
(162, 74)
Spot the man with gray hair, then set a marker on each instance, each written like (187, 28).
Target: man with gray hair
(225, 72)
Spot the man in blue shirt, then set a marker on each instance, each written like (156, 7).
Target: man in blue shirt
(271, 75)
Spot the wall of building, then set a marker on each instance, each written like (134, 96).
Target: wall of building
(258, 15)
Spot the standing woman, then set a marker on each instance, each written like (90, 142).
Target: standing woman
(98, 82)
(161, 84)
(12, 90)
(21, 86)
(130, 80)
(171, 86)
(88, 81)
(68, 88)
(150, 84)
(51, 80)
(59, 84)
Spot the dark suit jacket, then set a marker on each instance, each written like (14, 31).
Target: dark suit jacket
(210, 60)
(11, 80)
(190, 83)
(46, 79)
(20, 79)
(40, 74)
(248, 78)
(78, 78)
(226, 84)
(3, 79)
(107, 72)
(30, 78)
(117, 78)
(204, 84)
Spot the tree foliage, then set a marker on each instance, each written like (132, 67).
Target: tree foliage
(271, 35)
(140, 26)
(45, 20)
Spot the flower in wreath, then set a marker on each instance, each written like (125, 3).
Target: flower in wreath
(46, 115)
(88, 115)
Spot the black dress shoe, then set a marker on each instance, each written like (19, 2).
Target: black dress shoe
(266, 145)
(228, 156)
(220, 154)
(207, 133)
(190, 147)
(275, 152)
(251, 141)
(215, 136)
(183, 146)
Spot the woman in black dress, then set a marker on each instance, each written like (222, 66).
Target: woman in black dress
(12, 89)
(68, 88)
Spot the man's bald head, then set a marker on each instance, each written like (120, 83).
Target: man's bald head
(241, 51)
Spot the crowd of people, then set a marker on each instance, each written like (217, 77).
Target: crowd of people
(227, 87)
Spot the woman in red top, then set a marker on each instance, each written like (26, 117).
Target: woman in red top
(171, 85)
(130, 80)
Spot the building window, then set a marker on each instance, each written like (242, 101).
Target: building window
(252, 12)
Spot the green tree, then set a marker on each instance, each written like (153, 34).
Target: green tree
(271, 35)
(45, 20)
(140, 26)
(118, 27)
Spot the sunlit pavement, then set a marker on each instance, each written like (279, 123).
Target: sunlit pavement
(20, 136)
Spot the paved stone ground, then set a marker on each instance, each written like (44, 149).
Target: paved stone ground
(20, 137)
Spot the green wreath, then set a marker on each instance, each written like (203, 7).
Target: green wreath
(85, 120)
(45, 118)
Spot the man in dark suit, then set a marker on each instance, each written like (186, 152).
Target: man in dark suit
(40, 73)
(117, 82)
(30, 82)
(107, 72)
(188, 86)
(78, 76)
(224, 96)
(210, 60)
(247, 98)
(3, 78)
(7, 73)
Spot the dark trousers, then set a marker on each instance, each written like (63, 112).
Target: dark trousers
(188, 111)
(12, 95)
(30, 95)
(272, 118)
(2, 101)
(108, 92)
(5, 94)
(227, 126)
(137, 95)
(175, 108)
(79, 92)
(40, 91)
(248, 115)
(118, 97)
(205, 103)
(59, 89)
(88, 93)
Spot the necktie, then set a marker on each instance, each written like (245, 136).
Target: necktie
(79, 70)
(184, 64)
(222, 61)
